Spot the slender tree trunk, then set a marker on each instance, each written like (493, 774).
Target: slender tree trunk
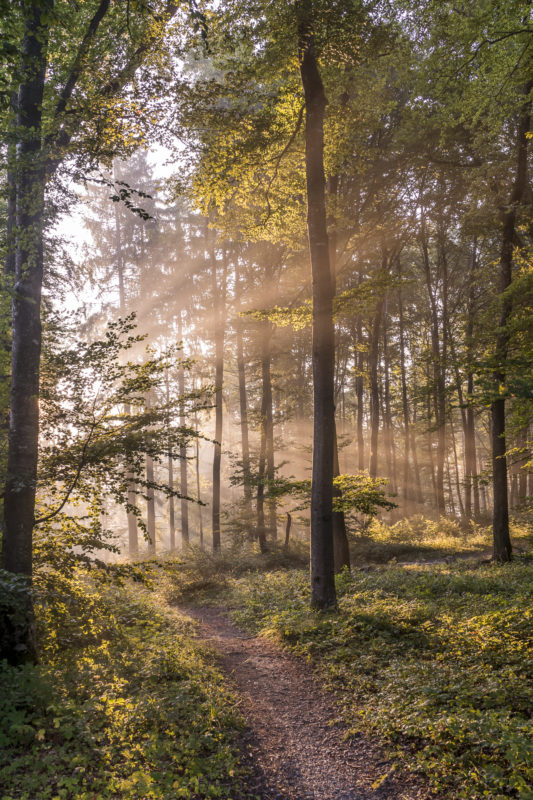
(133, 534)
(374, 389)
(243, 407)
(406, 488)
(198, 487)
(449, 481)
(184, 489)
(457, 476)
(261, 474)
(171, 516)
(471, 484)
(437, 378)
(341, 549)
(322, 565)
(389, 430)
(502, 549)
(219, 298)
(150, 498)
(288, 530)
(268, 421)
(431, 463)
(524, 458)
(359, 393)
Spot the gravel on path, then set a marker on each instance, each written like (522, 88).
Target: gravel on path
(295, 744)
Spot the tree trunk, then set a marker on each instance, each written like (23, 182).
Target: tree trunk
(374, 389)
(322, 565)
(437, 378)
(184, 489)
(171, 516)
(341, 549)
(389, 430)
(406, 488)
(457, 476)
(471, 483)
(219, 295)
(268, 421)
(243, 408)
(288, 530)
(261, 473)
(133, 534)
(198, 487)
(19, 493)
(150, 499)
(502, 549)
(359, 393)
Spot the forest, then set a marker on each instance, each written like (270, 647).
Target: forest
(266, 394)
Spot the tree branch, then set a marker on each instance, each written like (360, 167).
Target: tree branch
(112, 87)
(72, 486)
(77, 66)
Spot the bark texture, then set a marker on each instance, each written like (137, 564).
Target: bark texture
(502, 549)
(322, 564)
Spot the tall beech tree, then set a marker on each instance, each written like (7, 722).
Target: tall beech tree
(323, 594)
(42, 140)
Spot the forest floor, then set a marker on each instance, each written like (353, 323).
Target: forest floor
(420, 686)
(295, 744)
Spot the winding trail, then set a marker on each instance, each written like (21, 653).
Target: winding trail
(294, 742)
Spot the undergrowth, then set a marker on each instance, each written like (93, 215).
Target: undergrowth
(436, 660)
(124, 704)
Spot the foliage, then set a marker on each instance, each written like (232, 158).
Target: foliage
(356, 493)
(100, 420)
(202, 575)
(436, 660)
(124, 704)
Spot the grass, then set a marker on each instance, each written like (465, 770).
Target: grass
(125, 704)
(434, 659)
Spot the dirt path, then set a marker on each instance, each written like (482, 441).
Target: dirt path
(293, 749)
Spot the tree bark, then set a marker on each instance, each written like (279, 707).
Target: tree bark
(502, 549)
(150, 499)
(198, 487)
(170, 466)
(406, 488)
(341, 549)
(471, 483)
(437, 377)
(243, 409)
(374, 389)
(133, 534)
(184, 488)
(359, 393)
(219, 293)
(322, 565)
(19, 496)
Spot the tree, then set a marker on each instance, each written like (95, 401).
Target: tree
(322, 564)
(42, 138)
